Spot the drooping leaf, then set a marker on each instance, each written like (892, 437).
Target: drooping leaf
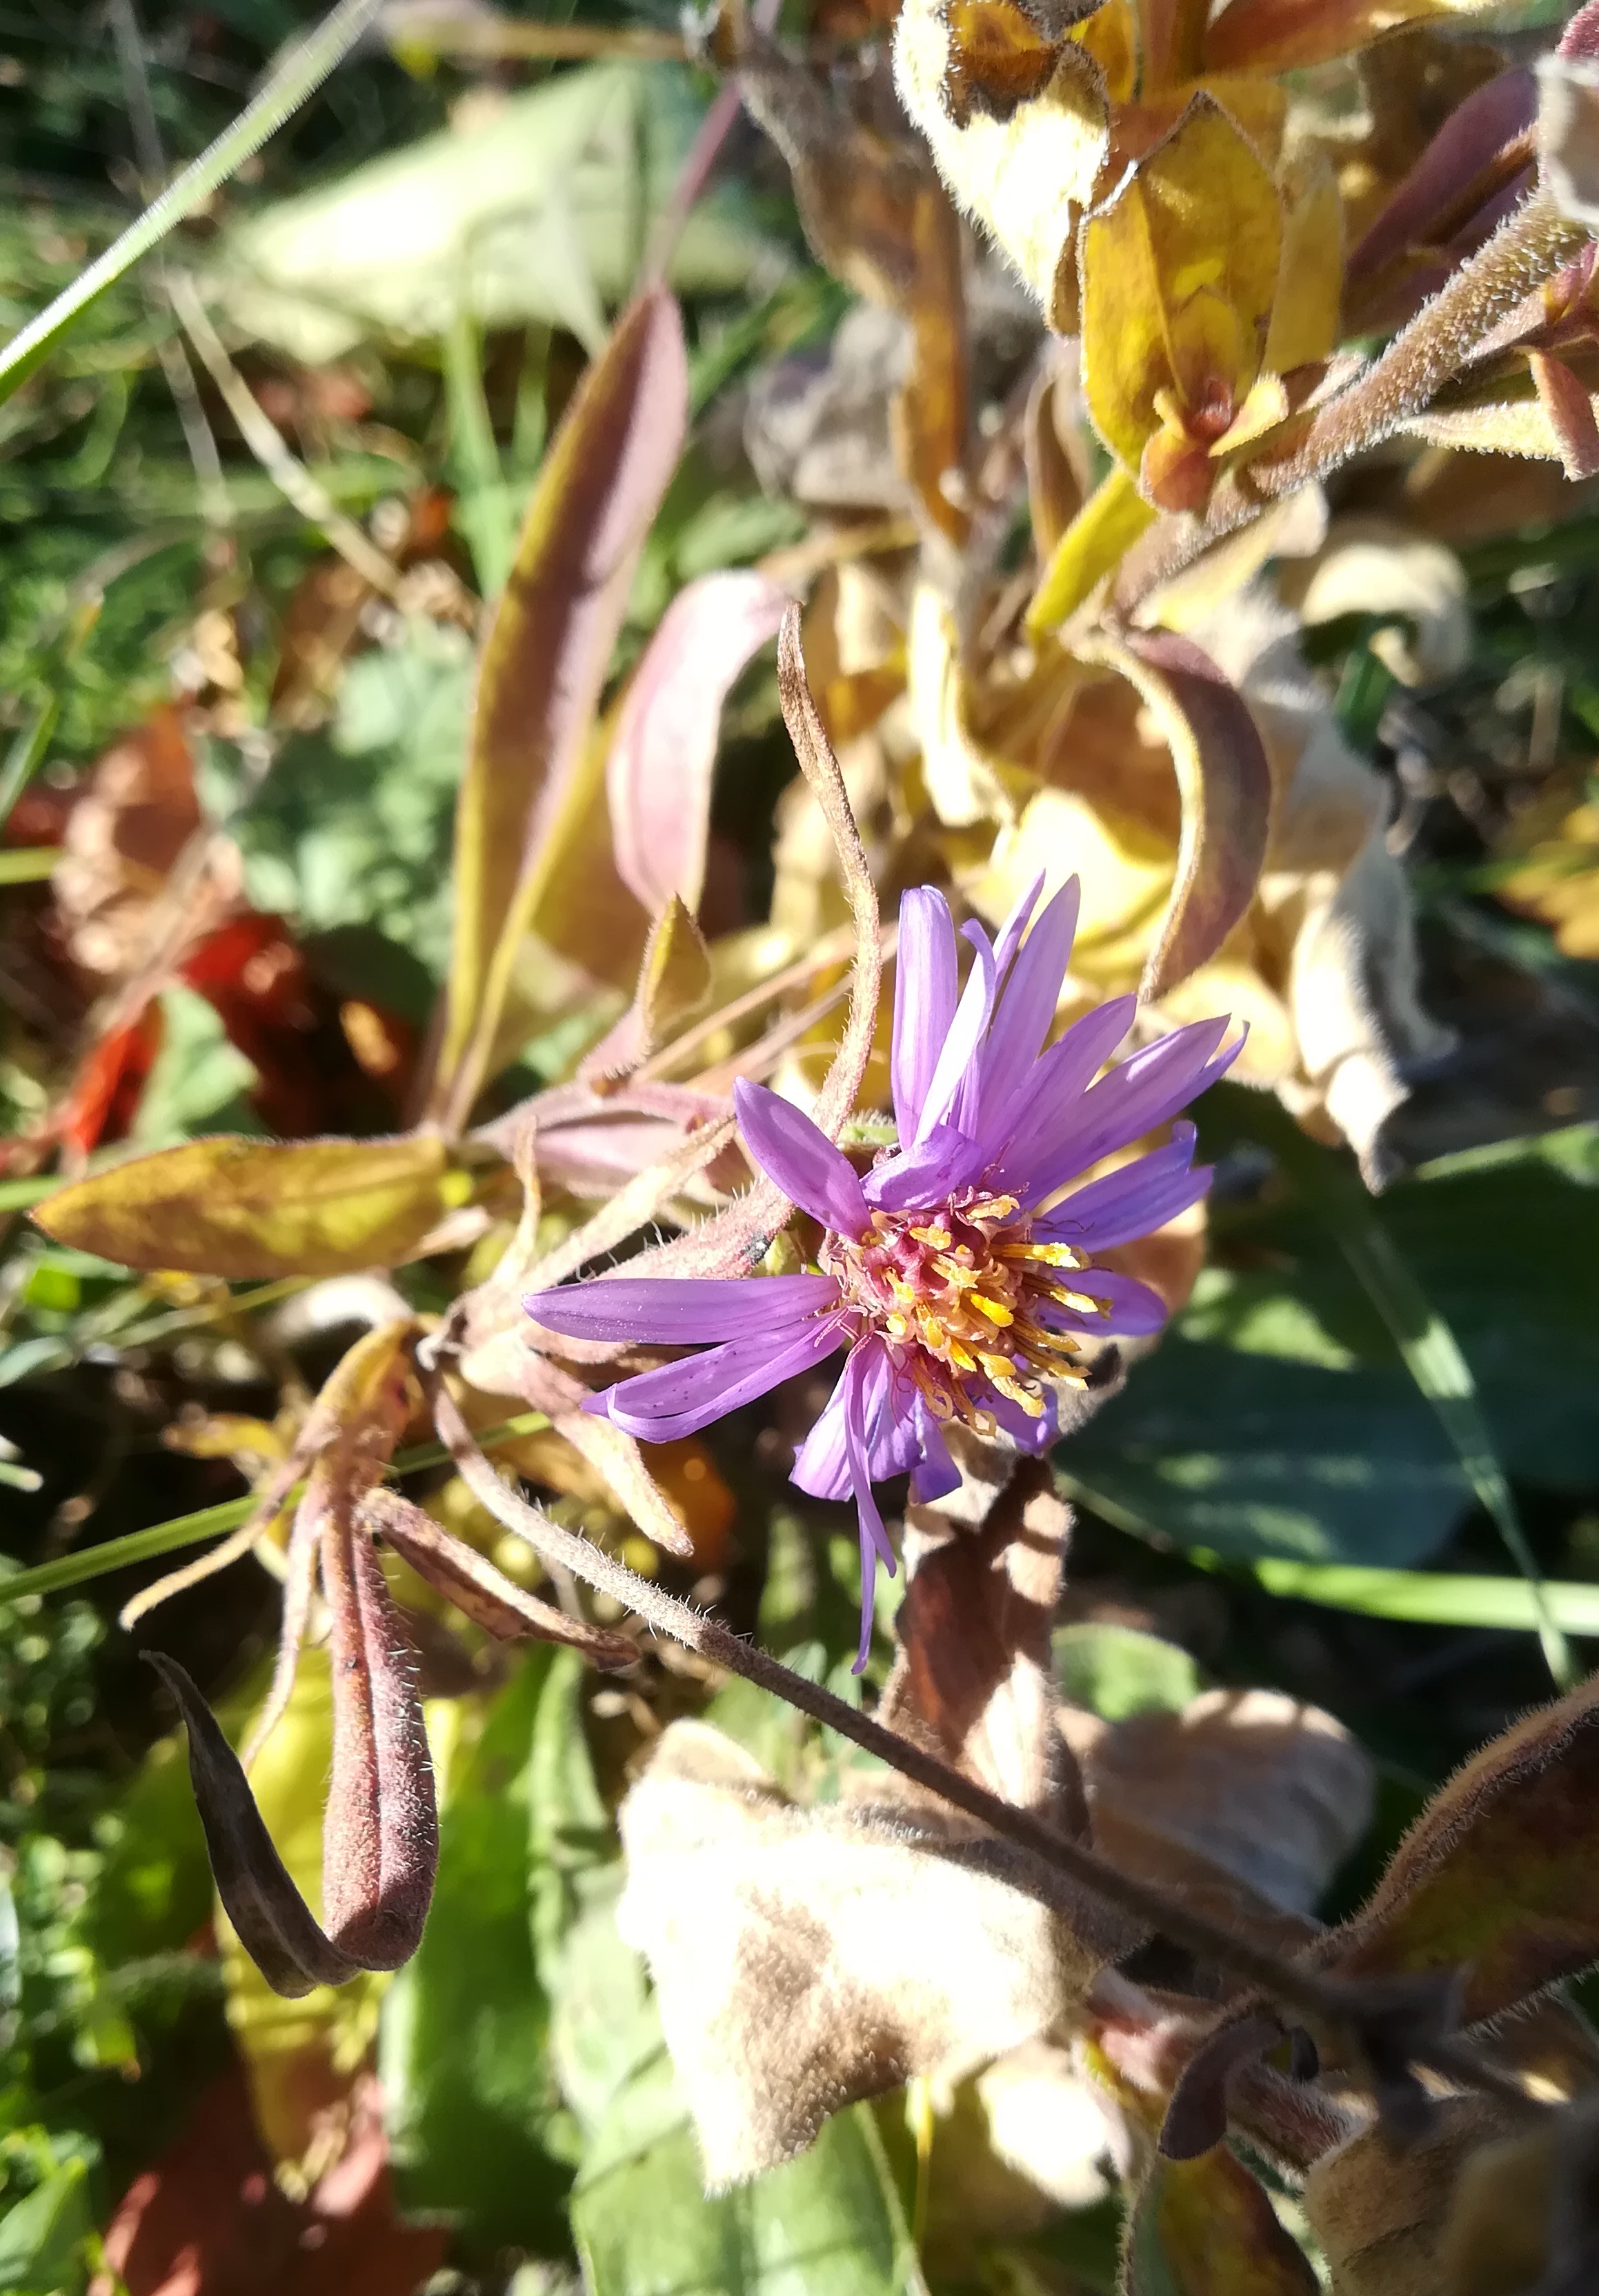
(1226, 785)
(806, 1957)
(658, 773)
(1495, 1876)
(234, 1207)
(1103, 530)
(545, 661)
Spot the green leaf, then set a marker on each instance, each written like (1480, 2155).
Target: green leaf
(476, 2131)
(1253, 1455)
(41, 2240)
(831, 2220)
(1117, 1671)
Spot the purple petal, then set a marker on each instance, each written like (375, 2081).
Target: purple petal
(1027, 1434)
(1134, 1202)
(659, 1406)
(940, 1163)
(822, 1463)
(1027, 1005)
(935, 1474)
(802, 1159)
(1145, 1091)
(1041, 1106)
(873, 1537)
(1133, 1309)
(925, 1000)
(957, 1059)
(679, 1311)
(1013, 929)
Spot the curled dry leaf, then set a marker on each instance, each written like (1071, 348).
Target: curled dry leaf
(1273, 36)
(236, 1207)
(382, 1899)
(804, 1959)
(1226, 786)
(1568, 132)
(1495, 1876)
(663, 750)
(544, 662)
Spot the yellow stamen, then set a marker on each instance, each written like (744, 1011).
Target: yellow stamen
(995, 1312)
(959, 1357)
(1080, 1300)
(963, 1278)
(1049, 1255)
(937, 1239)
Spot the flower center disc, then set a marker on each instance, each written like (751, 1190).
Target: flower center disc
(957, 1295)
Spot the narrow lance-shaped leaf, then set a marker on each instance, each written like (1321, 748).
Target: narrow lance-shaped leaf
(1205, 2227)
(1225, 782)
(1274, 36)
(234, 1207)
(544, 663)
(477, 1589)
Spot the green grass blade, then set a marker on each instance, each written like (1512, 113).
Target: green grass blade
(26, 754)
(1433, 1358)
(485, 510)
(1430, 1598)
(299, 76)
(212, 1522)
(28, 864)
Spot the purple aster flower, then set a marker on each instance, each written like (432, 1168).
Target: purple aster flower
(959, 1273)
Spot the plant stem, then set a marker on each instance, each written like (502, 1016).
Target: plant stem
(1527, 248)
(1325, 2001)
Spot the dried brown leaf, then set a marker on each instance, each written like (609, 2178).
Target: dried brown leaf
(806, 1959)
(1380, 2209)
(973, 1678)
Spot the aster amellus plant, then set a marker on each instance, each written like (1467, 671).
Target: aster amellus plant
(959, 1271)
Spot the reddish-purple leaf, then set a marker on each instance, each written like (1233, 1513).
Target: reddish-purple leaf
(659, 776)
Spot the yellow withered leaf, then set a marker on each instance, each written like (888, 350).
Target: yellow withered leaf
(1179, 275)
(1305, 314)
(1015, 112)
(234, 1207)
(1099, 537)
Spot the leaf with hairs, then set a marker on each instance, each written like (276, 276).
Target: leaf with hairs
(544, 662)
(1495, 1876)
(234, 1207)
(1205, 2227)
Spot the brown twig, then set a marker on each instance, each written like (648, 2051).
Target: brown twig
(1527, 248)
(1326, 2003)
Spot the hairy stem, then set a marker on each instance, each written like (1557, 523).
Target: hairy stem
(1327, 2003)
(1527, 248)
